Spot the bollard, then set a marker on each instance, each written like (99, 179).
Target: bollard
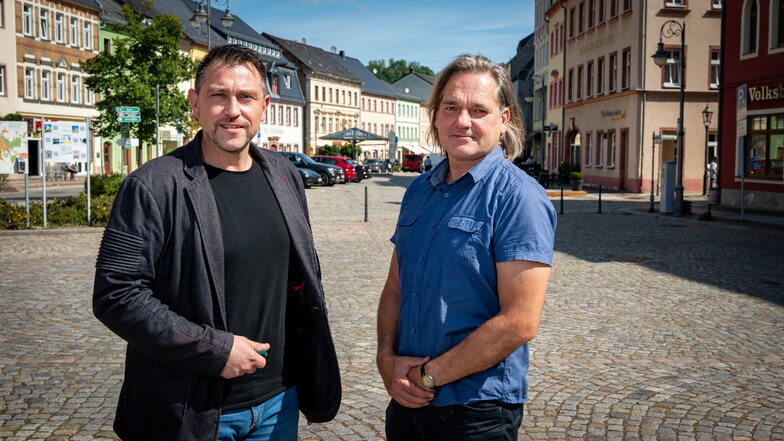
(366, 204)
(562, 198)
(600, 200)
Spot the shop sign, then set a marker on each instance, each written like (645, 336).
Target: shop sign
(766, 93)
(614, 115)
(741, 99)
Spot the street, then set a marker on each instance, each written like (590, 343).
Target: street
(655, 327)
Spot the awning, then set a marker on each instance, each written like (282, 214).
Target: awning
(420, 150)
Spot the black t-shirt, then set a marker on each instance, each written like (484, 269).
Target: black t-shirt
(256, 248)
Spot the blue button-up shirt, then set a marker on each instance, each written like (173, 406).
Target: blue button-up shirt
(449, 237)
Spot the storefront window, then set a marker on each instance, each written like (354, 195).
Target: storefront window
(765, 148)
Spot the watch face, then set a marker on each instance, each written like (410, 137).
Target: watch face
(427, 380)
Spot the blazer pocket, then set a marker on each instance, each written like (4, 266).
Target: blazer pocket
(159, 392)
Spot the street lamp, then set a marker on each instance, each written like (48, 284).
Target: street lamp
(200, 16)
(672, 28)
(707, 114)
(656, 140)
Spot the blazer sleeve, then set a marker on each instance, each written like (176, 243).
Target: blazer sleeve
(123, 298)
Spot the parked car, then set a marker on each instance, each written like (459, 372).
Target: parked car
(309, 177)
(330, 174)
(362, 170)
(348, 169)
(376, 165)
(412, 162)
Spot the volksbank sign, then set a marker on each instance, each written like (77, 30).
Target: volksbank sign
(766, 93)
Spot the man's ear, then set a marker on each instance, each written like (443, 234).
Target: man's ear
(193, 97)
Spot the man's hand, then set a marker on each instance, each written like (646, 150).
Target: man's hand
(243, 358)
(394, 371)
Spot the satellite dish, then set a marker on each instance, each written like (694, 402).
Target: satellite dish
(304, 41)
(333, 49)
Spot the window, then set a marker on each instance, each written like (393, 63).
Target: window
(591, 13)
(27, 20)
(765, 147)
(589, 80)
(579, 82)
(296, 117)
(672, 73)
(75, 89)
(750, 27)
(588, 149)
(716, 4)
(29, 83)
(582, 17)
(777, 24)
(2, 14)
(675, 3)
(613, 8)
(627, 5)
(89, 96)
(288, 116)
(59, 28)
(272, 114)
(713, 144)
(626, 74)
(600, 76)
(572, 18)
(280, 115)
(46, 85)
(613, 72)
(344, 97)
(317, 124)
(2, 81)
(601, 149)
(43, 22)
(61, 87)
(287, 81)
(73, 31)
(611, 150)
(602, 7)
(330, 95)
(87, 35)
(714, 68)
(570, 85)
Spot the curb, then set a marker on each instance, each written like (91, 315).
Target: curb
(78, 230)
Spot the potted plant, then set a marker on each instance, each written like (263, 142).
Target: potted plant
(576, 179)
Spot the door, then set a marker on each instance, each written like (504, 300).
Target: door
(622, 159)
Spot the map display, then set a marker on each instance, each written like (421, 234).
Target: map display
(13, 145)
(65, 141)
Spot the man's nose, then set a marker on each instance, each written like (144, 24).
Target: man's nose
(464, 119)
(232, 108)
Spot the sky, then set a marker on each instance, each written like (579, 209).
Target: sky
(431, 32)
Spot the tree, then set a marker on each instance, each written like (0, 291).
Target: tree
(127, 76)
(12, 117)
(329, 150)
(347, 150)
(397, 69)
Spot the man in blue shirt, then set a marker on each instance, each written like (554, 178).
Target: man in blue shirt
(467, 280)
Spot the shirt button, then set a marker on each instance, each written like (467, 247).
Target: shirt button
(446, 195)
(421, 260)
(413, 330)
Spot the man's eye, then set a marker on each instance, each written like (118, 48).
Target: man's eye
(450, 108)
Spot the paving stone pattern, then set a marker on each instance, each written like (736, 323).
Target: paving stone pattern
(655, 328)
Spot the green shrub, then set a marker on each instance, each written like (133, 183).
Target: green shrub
(397, 167)
(104, 184)
(575, 175)
(12, 216)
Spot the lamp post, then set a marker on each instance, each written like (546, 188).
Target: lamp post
(707, 114)
(200, 16)
(656, 140)
(672, 28)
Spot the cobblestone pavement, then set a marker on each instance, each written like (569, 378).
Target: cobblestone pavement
(655, 328)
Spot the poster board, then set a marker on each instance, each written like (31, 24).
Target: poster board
(13, 144)
(65, 141)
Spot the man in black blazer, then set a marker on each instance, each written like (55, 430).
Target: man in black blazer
(207, 268)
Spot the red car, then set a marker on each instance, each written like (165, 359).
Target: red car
(348, 169)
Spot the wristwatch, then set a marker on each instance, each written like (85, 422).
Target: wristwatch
(427, 379)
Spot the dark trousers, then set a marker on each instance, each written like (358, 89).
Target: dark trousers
(483, 420)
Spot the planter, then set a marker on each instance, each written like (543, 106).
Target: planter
(577, 184)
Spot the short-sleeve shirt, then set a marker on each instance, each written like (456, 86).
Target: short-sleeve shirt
(449, 238)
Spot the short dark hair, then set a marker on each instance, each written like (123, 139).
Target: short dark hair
(231, 55)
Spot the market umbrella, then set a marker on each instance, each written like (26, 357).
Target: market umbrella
(354, 135)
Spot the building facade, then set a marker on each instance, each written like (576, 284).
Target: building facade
(553, 126)
(616, 97)
(52, 38)
(8, 83)
(332, 93)
(540, 77)
(750, 166)
(407, 124)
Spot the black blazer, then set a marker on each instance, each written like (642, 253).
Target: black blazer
(159, 285)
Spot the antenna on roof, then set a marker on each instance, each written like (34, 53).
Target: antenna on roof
(304, 41)
(333, 49)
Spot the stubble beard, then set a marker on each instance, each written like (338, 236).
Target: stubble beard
(213, 136)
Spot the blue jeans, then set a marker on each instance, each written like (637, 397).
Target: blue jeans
(275, 419)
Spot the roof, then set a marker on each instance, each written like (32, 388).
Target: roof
(418, 85)
(315, 59)
(89, 3)
(293, 93)
(370, 82)
(405, 94)
(112, 12)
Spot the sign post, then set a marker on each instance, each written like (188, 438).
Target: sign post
(741, 129)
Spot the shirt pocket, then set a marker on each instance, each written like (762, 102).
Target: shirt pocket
(405, 233)
(464, 236)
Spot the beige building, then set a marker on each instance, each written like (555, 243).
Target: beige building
(554, 123)
(8, 91)
(616, 97)
(332, 93)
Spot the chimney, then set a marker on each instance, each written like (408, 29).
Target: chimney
(343, 54)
